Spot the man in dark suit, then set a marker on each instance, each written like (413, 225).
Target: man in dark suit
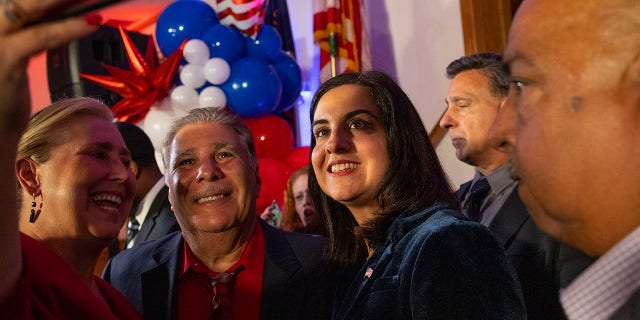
(570, 123)
(479, 85)
(225, 260)
(151, 215)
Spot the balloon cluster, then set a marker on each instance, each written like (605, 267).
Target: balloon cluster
(277, 159)
(250, 75)
(238, 63)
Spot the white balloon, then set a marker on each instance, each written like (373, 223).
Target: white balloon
(196, 51)
(184, 98)
(212, 97)
(217, 71)
(156, 124)
(192, 75)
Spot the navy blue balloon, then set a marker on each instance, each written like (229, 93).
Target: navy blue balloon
(253, 89)
(267, 44)
(225, 42)
(186, 19)
(291, 78)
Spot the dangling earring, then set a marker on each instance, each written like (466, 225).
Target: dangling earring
(32, 216)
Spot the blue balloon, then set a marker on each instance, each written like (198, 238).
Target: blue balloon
(267, 44)
(253, 89)
(291, 78)
(182, 20)
(225, 42)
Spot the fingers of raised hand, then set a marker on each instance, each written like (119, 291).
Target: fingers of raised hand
(267, 216)
(13, 15)
(19, 42)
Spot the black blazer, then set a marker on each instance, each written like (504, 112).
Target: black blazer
(543, 264)
(160, 220)
(293, 286)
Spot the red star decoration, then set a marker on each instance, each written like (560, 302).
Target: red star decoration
(141, 86)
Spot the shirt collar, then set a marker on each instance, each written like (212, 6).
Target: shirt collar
(499, 179)
(145, 204)
(607, 284)
(251, 258)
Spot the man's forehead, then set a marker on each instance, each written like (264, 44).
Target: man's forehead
(552, 33)
(209, 135)
(527, 33)
(211, 145)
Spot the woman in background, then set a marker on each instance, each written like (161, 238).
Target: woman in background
(391, 216)
(300, 215)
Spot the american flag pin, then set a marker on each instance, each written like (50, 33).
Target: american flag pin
(368, 273)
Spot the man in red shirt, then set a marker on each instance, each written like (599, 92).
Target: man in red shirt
(212, 175)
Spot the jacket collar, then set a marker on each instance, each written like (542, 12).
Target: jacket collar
(408, 221)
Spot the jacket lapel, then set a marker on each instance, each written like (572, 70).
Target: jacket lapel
(152, 216)
(363, 281)
(509, 220)
(280, 264)
(159, 282)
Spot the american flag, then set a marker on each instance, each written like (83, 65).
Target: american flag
(245, 15)
(340, 32)
(277, 16)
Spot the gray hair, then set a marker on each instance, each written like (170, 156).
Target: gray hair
(490, 64)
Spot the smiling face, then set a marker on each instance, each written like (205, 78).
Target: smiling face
(350, 158)
(212, 186)
(471, 109)
(87, 187)
(571, 119)
(304, 206)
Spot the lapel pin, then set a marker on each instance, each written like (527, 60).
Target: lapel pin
(368, 273)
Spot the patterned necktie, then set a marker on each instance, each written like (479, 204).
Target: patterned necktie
(132, 229)
(476, 197)
(222, 284)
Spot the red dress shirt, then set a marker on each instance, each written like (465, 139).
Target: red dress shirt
(195, 291)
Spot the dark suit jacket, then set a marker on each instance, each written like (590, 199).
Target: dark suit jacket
(160, 220)
(434, 265)
(543, 264)
(293, 286)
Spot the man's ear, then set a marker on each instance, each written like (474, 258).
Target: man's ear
(26, 171)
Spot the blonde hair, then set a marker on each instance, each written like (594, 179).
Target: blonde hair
(40, 135)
